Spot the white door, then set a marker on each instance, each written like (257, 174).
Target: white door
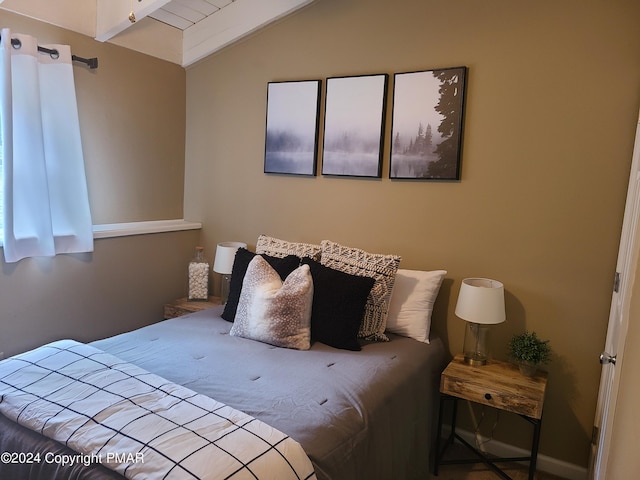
(612, 356)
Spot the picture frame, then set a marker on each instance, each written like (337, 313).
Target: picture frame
(354, 120)
(427, 124)
(292, 127)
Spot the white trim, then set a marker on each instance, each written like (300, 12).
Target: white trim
(545, 463)
(110, 230)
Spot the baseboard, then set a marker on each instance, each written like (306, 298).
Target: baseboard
(545, 463)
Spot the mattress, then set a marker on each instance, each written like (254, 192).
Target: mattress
(365, 414)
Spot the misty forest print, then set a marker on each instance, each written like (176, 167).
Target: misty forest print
(353, 125)
(291, 144)
(427, 124)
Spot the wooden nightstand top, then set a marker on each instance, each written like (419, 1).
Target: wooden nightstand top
(497, 384)
(182, 306)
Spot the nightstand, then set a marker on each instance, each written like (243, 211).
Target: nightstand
(499, 385)
(182, 306)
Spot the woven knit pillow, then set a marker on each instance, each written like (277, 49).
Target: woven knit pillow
(382, 268)
(281, 248)
(273, 311)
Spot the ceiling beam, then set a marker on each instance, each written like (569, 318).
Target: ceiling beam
(231, 23)
(113, 15)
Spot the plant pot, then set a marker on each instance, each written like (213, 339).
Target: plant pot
(528, 369)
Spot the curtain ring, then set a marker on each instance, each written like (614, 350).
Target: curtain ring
(53, 53)
(16, 43)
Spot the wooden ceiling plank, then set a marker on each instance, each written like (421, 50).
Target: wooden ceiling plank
(220, 3)
(184, 11)
(201, 6)
(169, 18)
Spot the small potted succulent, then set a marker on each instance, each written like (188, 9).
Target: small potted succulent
(529, 352)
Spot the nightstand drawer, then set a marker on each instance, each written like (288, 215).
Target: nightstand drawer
(493, 397)
(497, 384)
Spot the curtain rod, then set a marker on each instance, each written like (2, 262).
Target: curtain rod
(90, 62)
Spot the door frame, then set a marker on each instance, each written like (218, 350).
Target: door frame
(626, 266)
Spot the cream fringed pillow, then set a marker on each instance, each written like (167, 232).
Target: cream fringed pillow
(382, 268)
(273, 311)
(281, 248)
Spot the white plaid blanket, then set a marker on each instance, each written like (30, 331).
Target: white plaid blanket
(137, 423)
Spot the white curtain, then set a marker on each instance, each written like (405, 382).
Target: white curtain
(46, 204)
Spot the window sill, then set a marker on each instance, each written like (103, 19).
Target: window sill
(110, 230)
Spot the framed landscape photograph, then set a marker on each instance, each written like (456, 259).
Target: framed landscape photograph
(426, 131)
(353, 125)
(291, 143)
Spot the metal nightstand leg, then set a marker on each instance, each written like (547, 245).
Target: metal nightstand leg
(482, 458)
(439, 453)
(537, 424)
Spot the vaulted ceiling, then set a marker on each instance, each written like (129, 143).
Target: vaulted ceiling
(179, 31)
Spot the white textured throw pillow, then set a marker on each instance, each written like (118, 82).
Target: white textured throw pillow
(273, 311)
(414, 294)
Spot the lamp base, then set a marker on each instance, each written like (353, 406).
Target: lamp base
(475, 361)
(475, 349)
(224, 288)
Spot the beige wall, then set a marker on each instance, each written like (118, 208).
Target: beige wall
(553, 96)
(122, 285)
(132, 114)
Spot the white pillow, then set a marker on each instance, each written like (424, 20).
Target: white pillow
(414, 294)
(273, 311)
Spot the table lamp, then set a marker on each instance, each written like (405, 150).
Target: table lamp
(481, 304)
(223, 264)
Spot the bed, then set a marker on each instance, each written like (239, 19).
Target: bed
(365, 412)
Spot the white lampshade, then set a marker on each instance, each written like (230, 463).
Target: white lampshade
(481, 304)
(481, 300)
(225, 255)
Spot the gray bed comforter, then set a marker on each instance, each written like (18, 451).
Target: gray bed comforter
(358, 415)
